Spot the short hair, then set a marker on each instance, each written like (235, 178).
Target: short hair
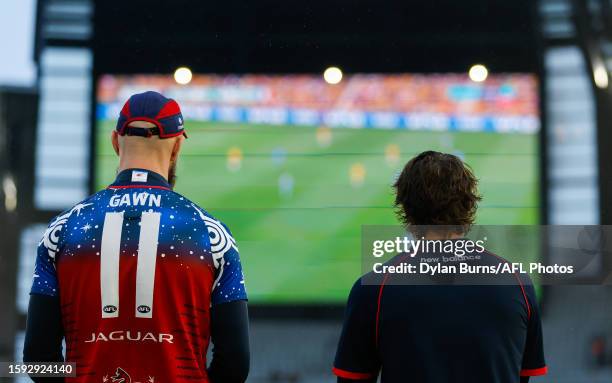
(437, 189)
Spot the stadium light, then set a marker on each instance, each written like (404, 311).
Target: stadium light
(10, 193)
(600, 75)
(332, 75)
(478, 73)
(183, 75)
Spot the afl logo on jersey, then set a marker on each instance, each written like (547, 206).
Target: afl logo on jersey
(143, 309)
(109, 309)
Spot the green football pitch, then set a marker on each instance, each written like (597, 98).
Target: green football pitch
(295, 197)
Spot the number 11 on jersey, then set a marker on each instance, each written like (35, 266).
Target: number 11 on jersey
(145, 264)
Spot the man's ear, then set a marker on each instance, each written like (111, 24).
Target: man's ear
(176, 149)
(115, 141)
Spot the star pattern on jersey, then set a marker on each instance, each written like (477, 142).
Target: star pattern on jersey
(187, 233)
(79, 207)
(51, 236)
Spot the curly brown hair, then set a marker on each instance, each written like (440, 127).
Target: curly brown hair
(437, 189)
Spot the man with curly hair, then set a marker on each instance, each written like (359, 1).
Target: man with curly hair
(426, 329)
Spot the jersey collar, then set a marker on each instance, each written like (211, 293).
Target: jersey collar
(139, 178)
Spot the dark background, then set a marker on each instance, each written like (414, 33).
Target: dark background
(268, 36)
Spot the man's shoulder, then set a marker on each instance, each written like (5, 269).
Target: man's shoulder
(367, 287)
(191, 207)
(52, 237)
(218, 231)
(85, 206)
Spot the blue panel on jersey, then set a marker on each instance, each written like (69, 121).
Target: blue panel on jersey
(229, 285)
(229, 281)
(45, 277)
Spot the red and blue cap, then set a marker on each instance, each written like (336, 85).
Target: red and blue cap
(152, 107)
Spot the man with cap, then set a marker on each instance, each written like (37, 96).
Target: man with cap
(136, 278)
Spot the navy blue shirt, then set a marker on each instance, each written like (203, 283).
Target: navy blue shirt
(442, 331)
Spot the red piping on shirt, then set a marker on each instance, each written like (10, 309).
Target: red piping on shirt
(534, 371)
(139, 187)
(351, 375)
(520, 285)
(380, 292)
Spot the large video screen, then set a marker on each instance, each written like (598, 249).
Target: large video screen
(295, 166)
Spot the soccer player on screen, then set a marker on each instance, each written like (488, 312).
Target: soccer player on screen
(136, 278)
(439, 330)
